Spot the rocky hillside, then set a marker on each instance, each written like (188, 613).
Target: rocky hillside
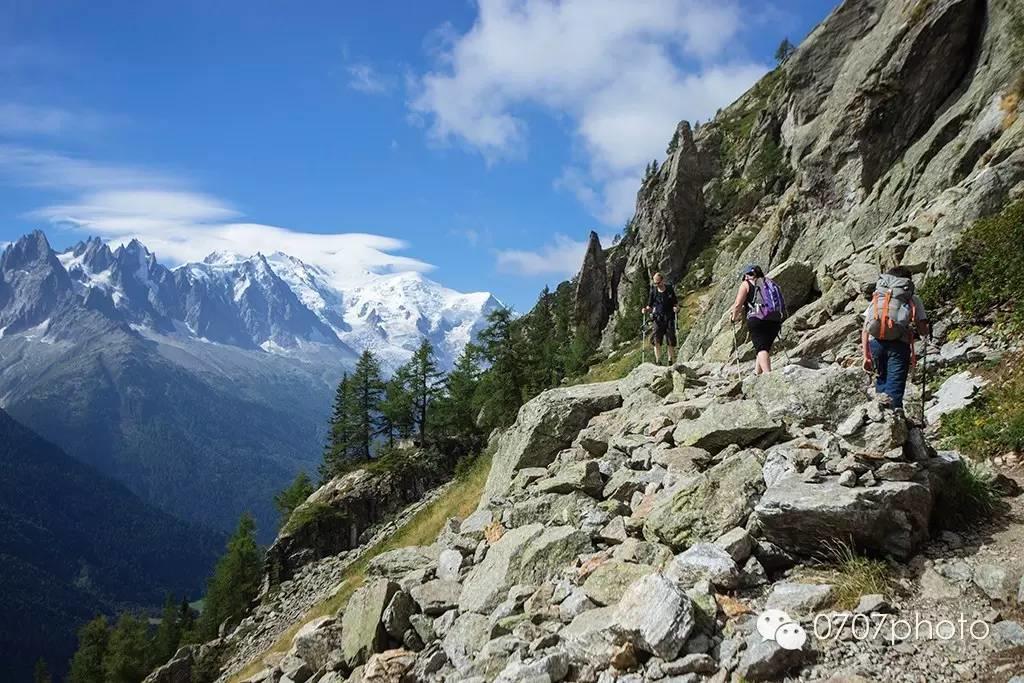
(635, 530)
(891, 129)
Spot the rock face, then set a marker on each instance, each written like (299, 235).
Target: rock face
(890, 129)
(593, 302)
(335, 517)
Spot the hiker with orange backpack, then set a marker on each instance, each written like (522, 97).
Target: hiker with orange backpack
(893, 320)
(765, 306)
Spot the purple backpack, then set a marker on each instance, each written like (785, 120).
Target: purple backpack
(767, 302)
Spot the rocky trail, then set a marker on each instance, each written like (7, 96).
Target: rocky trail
(635, 530)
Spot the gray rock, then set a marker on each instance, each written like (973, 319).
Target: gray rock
(552, 668)
(847, 479)
(800, 517)
(583, 476)
(488, 582)
(799, 599)
(655, 616)
(744, 423)
(466, 637)
(753, 574)
(1007, 634)
(704, 561)
(608, 582)
(998, 581)
(765, 660)
(874, 603)
(874, 431)
(615, 531)
(737, 543)
(707, 505)
(396, 615)
(546, 425)
(395, 563)
(362, 632)
(424, 627)
(591, 637)
(803, 396)
(294, 669)
(959, 391)
(448, 565)
(550, 552)
(436, 597)
(314, 642)
(574, 605)
(896, 471)
(389, 666)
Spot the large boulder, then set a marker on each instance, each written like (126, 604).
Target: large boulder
(959, 391)
(655, 615)
(606, 584)
(796, 280)
(803, 396)
(316, 640)
(488, 583)
(552, 551)
(362, 630)
(891, 517)
(546, 425)
(467, 636)
(744, 423)
(706, 505)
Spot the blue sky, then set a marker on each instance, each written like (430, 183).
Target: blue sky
(479, 141)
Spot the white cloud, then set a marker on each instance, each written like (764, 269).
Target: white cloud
(615, 68)
(23, 119)
(562, 258)
(364, 78)
(118, 204)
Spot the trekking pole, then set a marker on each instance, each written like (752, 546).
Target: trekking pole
(643, 338)
(924, 378)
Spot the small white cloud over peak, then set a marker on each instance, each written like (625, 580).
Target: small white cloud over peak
(623, 72)
(561, 257)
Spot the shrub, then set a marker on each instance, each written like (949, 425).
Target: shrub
(987, 275)
(969, 496)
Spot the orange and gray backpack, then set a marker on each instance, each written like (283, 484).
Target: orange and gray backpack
(892, 311)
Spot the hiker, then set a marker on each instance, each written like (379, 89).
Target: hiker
(765, 307)
(894, 318)
(663, 306)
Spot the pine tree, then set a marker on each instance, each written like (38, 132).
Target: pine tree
(673, 144)
(562, 314)
(424, 378)
(127, 656)
(580, 351)
(168, 634)
(367, 389)
(341, 444)
(235, 581)
(87, 663)
(500, 392)
(539, 343)
(396, 406)
(292, 497)
(784, 51)
(41, 674)
(187, 620)
(630, 318)
(455, 410)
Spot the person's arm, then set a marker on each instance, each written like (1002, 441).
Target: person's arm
(675, 300)
(650, 300)
(741, 299)
(924, 326)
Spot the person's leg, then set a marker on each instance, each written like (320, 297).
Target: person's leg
(898, 370)
(764, 361)
(879, 360)
(670, 334)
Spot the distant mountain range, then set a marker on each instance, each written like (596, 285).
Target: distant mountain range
(74, 544)
(206, 387)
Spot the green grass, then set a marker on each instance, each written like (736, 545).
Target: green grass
(853, 575)
(459, 500)
(919, 10)
(616, 366)
(967, 498)
(994, 424)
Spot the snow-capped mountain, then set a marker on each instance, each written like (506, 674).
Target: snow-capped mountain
(275, 303)
(205, 387)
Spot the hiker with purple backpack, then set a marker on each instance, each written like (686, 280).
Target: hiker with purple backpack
(765, 309)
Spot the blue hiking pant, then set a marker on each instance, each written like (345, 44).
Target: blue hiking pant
(892, 365)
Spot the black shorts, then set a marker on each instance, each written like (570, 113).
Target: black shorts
(665, 330)
(763, 333)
